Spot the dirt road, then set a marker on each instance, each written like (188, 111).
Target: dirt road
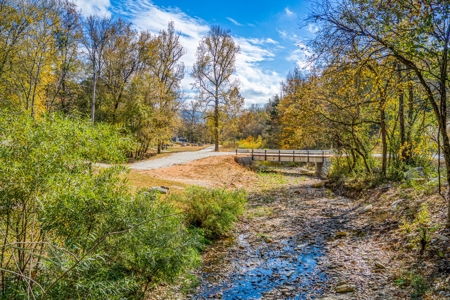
(176, 159)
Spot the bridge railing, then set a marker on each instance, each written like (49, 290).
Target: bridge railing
(289, 152)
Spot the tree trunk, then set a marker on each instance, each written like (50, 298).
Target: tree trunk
(216, 123)
(383, 140)
(410, 121)
(94, 83)
(401, 118)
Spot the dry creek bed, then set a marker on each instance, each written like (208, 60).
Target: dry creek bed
(300, 241)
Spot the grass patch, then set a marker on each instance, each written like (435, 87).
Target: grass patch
(269, 180)
(260, 212)
(139, 180)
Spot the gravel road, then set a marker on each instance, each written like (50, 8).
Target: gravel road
(176, 159)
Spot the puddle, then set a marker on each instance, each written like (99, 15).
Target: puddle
(286, 269)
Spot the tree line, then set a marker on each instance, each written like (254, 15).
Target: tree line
(378, 84)
(52, 59)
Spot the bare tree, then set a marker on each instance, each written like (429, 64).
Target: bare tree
(213, 70)
(96, 31)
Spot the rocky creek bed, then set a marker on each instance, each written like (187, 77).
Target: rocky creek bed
(300, 241)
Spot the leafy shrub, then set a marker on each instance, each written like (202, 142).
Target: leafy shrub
(149, 244)
(420, 229)
(73, 231)
(214, 210)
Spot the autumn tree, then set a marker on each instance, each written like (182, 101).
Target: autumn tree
(63, 89)
(169, 71)
(213, 71)
(414, 33)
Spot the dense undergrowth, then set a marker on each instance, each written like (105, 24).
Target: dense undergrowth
(71, 230)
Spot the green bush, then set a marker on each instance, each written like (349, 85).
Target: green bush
(214, 210)
(73, 231)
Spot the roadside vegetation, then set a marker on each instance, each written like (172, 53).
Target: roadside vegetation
(70, 230)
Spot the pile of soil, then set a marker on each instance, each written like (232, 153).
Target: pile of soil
(217, 171)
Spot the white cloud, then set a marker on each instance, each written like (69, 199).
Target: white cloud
(262, 41)
(288, 11)
(147, 16)
(257, 84)
(301, 56)
(97, 7)
(234, 21)
(282, 33)
(312, 28)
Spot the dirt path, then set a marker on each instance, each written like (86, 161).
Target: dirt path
(176, 159)
(300, 242)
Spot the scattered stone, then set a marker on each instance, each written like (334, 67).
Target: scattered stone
(268, 240)
(379, 265)
(441, 237)
(345, 288)
(364, 209)
(394, 204)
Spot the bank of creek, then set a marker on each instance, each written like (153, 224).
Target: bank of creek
(297, 241)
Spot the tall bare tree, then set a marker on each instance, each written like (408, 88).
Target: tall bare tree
(96, 31)
(213, 70)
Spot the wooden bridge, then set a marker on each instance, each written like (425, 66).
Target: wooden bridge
(319, 157)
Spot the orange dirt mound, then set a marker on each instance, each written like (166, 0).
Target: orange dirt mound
(218, 171)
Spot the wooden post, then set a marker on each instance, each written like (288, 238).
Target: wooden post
(252, 154)
(307, 156)
(293, 156)
(279, 155)
(265, 154)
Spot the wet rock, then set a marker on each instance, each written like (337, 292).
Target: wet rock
(345, 288)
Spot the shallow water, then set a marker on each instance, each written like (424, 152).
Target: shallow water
(288, 269)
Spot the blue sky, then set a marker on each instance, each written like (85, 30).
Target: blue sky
(268, 33)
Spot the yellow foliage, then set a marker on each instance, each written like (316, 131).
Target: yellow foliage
(251, 143)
